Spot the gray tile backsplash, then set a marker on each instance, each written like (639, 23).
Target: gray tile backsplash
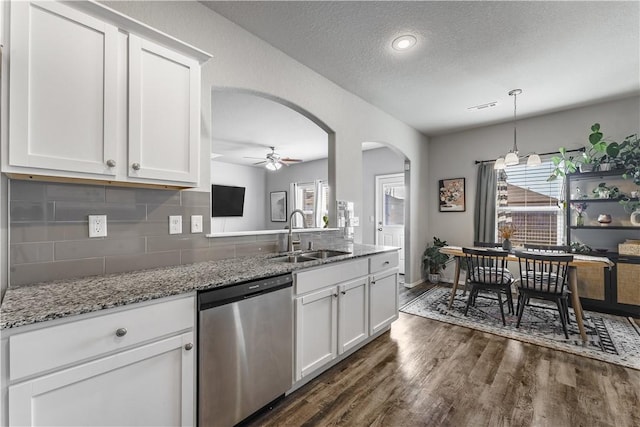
(49, 237)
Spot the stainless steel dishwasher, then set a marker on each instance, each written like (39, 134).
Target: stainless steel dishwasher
(245, 353)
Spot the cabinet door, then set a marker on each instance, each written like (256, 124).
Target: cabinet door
(316, 330)
(149, 385)
(628, 284)
(164, 113)
(353, 314)
(63, 89)
(383, 300)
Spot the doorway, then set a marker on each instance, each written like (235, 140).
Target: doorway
(390, 212)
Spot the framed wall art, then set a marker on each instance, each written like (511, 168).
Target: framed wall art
(279, 206)
(451, 194)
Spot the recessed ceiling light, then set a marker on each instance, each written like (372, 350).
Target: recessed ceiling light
(404, 42)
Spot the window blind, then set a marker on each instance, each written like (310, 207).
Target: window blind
(531, 204)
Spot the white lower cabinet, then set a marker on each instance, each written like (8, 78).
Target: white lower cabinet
(316, 330)
(353, 314)
(383, 297)
(149, 385)
(330, 322)
(132, 367)
(340, 306)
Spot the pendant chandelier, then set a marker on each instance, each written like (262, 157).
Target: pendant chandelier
(513, 158)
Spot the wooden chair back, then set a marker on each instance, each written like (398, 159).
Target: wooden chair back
(547, 248)
(545, 273)
(487, 266)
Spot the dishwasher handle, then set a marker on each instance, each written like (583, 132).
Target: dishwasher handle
(229, 294)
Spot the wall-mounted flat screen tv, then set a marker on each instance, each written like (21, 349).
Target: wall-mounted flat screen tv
(227, 200)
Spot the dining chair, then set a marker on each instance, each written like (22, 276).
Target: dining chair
(487, 270)
(547, 248)
(544, 276)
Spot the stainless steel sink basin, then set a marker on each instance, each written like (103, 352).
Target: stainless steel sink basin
(293, 258)
(310, 256)
(325, 253)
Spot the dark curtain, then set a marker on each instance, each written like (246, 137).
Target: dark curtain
(484, 218)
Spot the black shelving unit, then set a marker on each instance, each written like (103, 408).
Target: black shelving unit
(594, 234)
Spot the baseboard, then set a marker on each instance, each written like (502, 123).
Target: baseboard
(414, 284)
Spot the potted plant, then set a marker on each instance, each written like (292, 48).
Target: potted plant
(579, 248)
(434, 261)
(603, 191)
(632, 207)
(601, 155)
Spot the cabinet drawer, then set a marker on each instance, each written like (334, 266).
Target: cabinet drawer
(51, 347)
(383, 262)
(318, 278)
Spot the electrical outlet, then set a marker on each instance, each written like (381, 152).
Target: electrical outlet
(196, 223)
(175, 224)
(97, 226)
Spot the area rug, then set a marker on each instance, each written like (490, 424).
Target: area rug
(611, 339)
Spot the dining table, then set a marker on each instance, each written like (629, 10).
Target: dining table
(578, 261)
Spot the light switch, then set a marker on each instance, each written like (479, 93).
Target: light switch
(175, 224)
(196, 223)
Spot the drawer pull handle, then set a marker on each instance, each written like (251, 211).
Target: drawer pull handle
(188, 346)
(386, 263)
(120, 332)
(111, 163)
(335, 295)
(135, 166)
(344, 292)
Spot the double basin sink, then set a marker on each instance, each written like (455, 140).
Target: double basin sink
(310, 256)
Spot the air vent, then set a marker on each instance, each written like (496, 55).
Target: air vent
(483, 106)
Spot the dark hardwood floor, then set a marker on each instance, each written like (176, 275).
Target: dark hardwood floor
(428, 373)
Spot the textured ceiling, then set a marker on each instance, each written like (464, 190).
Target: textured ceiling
(561, 54)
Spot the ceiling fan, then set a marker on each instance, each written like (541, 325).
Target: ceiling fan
(273, 161)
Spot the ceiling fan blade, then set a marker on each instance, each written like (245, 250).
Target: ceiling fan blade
(287, 159)
(260, 163)
(256, 158)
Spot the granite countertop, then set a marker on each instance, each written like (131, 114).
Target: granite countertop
(41, 302)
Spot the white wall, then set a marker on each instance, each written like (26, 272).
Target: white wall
(453, 155)
(253, 179)
(381, 161)
(242, 60)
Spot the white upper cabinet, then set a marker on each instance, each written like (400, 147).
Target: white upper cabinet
(94, 95)
(63, 89)
(164, 106)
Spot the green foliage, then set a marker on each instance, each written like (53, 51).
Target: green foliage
(432, 259)
(624, 155)
(629, 157)
(563, 165)
(613, 192)
(579, 248)
(629, 205)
